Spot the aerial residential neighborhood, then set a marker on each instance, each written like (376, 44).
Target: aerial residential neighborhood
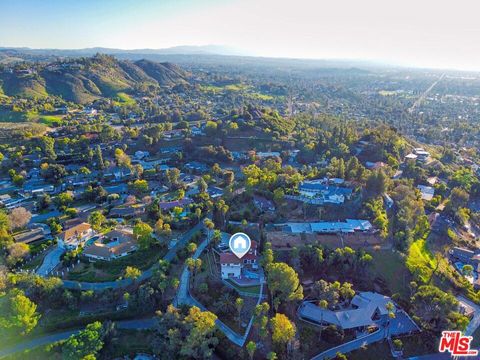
(308, 190)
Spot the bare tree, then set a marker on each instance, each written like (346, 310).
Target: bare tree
(19, 217)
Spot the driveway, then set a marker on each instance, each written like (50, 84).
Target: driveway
(352, 345)
(400, 325)
(184, 298)
(475, 322)
(50, 262)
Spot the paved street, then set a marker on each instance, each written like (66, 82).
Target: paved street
(136, 324)
(45, 340)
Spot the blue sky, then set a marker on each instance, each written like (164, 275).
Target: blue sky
(428, 33)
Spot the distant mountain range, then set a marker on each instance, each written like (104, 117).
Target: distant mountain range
(176, 50)
(83, 80)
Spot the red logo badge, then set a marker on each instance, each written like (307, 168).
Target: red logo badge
(457, 344)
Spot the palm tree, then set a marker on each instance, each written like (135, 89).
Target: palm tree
(210, 226)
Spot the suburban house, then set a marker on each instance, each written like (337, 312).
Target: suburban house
(169, 205)
(461, 256)
(317, 193)
(214, 191)
(422, 155)
(266, 155)
(195, 166)
(115, 244)
(263, 204)
(465, 256)
(324, 227)
(31, 236)
(427, 192)
(366, 308)
(233, 267)
(75, 236)
(127, 211)
(173, 134)
(374, 165)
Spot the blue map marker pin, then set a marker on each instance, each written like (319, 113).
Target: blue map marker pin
(240, 244)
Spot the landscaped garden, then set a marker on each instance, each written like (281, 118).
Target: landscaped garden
(112, 270)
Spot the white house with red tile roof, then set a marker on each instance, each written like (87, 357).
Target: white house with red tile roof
(232, 266)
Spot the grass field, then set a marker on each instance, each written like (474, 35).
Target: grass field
(390, 266)
(420, 260)
(8, 116)
(124, 99)
(248, 289)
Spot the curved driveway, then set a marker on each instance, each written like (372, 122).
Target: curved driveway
(184, 297)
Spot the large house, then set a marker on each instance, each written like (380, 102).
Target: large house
(427, 192)
(317, 193)
(75, 236)
(366, 308)
(234, 267)
(115, 244)
(326, 227)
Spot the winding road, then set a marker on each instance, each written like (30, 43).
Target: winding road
(137, 324)
(184, 297)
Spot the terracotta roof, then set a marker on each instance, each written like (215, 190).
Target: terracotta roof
(229, 258)
(74, 231)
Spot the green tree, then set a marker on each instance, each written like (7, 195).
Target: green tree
(143, 233)
(283, 284)
(200, 342)
(48, 147)
(96, 219)
(18, 311)
(84, 345)
(437, 310)
(191, 247)
(140, 186)
(239, 306)
(272, 356)
(132, 272)
(98, 159)
(283, 330)
(122, 159)
(251, 347)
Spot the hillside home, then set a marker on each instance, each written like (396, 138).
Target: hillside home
(366, 309)
(115, 244)
(427, 192)
(233, 267)
(75, 236)
(324, 227)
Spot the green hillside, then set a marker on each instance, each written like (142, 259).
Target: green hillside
(84, 80)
